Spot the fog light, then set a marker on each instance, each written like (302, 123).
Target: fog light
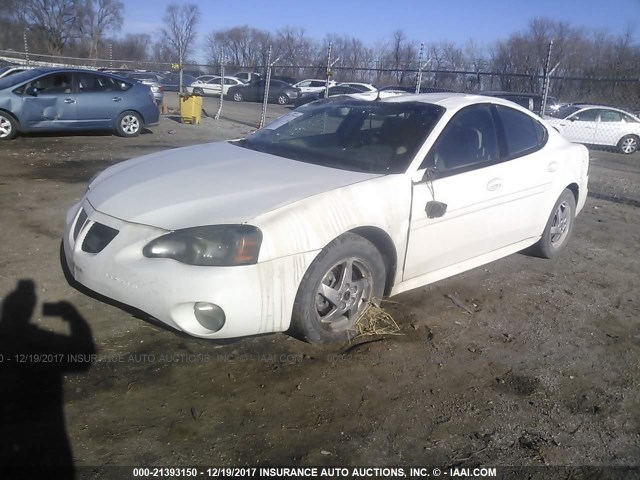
(209, 315)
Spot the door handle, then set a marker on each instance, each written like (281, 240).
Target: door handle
(552, 167)
(117, 99)
(494, 184)
(69, 100)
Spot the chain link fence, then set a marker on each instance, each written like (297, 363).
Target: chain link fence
(609, 126)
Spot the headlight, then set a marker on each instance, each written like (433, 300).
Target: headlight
(216, 245)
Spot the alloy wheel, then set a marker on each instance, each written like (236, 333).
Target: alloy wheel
(130, 124)
(343, 294)
(5, 127)
(560, 224)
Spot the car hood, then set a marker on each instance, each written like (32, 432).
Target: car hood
(215, 183)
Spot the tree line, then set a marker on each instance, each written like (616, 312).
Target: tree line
(90, 29)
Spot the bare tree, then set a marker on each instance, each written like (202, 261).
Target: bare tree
(55, 20)
(97, 18)
(134, 46)
(179, 31)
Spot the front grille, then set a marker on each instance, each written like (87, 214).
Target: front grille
(98, 237)
(80, 221)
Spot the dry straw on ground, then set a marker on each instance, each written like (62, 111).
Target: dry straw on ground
(375, 321)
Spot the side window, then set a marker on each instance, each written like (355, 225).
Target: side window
(54, 83)
(468, 139)
(214, 81)
(305, 84)
(317, 84)
(610, 116)
(522, 133)
(88, 82)
(629, 119)
(228, 81)
(586, 116)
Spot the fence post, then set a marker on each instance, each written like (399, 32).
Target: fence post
(547, 80)
(266, 89)
(326, 85)
(111, 55)
(26, 46)
(222, 62)
(419, 77)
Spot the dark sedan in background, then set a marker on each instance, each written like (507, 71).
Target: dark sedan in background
(171, 82)
(49, 99)
(279, 92)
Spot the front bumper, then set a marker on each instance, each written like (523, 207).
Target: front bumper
(255, 298)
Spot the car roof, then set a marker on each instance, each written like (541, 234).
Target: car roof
(453, 100)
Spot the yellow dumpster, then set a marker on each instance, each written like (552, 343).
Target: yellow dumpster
(190, 108)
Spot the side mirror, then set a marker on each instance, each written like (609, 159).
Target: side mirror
(435, 209)
(31, 90)
(572, 119)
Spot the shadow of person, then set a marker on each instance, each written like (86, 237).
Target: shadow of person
(33, 361)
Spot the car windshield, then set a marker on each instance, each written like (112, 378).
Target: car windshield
(565, 111)
(16, 78)
(355, 135)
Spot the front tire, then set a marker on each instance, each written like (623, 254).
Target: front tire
(237, 97)
(198, 91)
(336, 289)
(559, 227)
(628, 144)
(8, 126)
(129, 124)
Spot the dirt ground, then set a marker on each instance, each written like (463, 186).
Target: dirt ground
(545, 372)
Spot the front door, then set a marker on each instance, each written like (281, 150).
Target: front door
(492, 185)
(52, 104)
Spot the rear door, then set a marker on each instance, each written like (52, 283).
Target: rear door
(99, 100)
(612, 127)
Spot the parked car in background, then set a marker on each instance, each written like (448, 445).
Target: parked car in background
(204, 78)
(279, 92)
(364, 87)
(171, 82)
(313, 85)
(301, 225)
(247, 77)
(285, 79)
(213, 86)
(5, 71)
(597, 125)
(72, 99)
(150, 79)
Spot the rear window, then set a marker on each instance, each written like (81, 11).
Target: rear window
(523, 133)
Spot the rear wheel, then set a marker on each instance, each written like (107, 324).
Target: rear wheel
(237, 97)
(198, 91)
(282, 99)
(8, 126)
(559, 227)
(129, 124)
(336, 290)
(628, 144)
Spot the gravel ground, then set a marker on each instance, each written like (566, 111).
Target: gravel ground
(544, 372)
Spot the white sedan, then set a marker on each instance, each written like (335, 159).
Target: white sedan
(213, 86)
(302, 224)
(598, 125)
(313, 85)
